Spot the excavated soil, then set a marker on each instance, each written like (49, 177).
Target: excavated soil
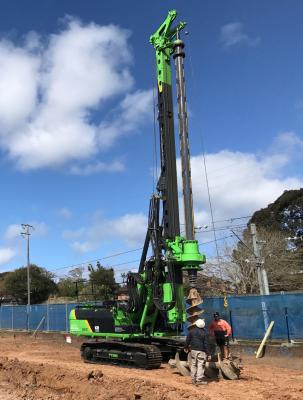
(49, 369)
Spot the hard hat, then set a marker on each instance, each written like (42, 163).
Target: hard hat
(200, 323)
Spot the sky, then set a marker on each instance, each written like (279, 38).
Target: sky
(77, 150)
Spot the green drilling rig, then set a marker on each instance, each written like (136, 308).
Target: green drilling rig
(147, 329)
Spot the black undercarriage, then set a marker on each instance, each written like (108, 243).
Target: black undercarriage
(149, 353)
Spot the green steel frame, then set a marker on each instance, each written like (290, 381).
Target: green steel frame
(157, 306)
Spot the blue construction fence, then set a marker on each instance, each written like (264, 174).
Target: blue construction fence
(45, 317)
(249, 316)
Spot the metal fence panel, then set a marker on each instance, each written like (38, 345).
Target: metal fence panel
(248, 315)
(38, 317)
(19, 317)
(6, 317)
(294, 309)
(57, 317)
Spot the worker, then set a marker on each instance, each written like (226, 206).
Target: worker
(197, 344)
(221, 331)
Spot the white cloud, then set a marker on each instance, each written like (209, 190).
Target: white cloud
(50, 90)
(83, 247)
(6, 255)
(241, 183)
(19, 75)
(65, 213)
(233, 35)
(12, 231)
(289, 145)
(40, 229)
(73, 234)
(129, 228)
(134, 108)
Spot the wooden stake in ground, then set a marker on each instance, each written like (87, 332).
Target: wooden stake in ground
(267, 333)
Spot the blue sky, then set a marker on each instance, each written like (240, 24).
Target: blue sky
(76, 120)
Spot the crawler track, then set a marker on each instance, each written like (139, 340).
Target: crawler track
(113, 352)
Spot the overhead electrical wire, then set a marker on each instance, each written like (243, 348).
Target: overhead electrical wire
(227, 220)
(118, 254)
(95, 260)
(223, 228)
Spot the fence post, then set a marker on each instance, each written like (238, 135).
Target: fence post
(265, 314)
(12, 318)
(47, 317)
(231, 325)
(287, 324)
(29, 316)
(66, 320)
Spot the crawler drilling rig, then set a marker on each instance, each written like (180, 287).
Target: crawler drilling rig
(147, 330)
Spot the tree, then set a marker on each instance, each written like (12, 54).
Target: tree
(239, 266)
(285, 215)
(76, 274)
(103, 281)
(282, 223)
(239, 269)
(42, 284)
(281, 262)
(210, 281)
(71, 284)
(66, 288)
(3, 295)
(280, 228)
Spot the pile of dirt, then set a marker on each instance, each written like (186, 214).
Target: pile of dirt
(39, 381)
(47, 368)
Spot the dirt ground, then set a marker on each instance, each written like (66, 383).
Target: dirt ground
(49, 369)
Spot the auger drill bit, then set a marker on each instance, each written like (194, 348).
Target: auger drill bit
(194, 300)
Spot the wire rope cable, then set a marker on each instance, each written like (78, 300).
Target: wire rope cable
(206, 173)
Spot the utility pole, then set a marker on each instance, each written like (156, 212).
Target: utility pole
(26, 234)
(261, 272)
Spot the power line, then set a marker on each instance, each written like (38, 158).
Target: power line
(121, 253)
(228, 219)
(140, 248)
(223, 228)
(95, 260)
(212, 241)
(233, 219)
(200, 243)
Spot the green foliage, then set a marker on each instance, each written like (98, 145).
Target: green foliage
(280, 228)
(100, 286)
(102, 281)
(42, 284)
(73, 283)
(284, 214)
(67, 288)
